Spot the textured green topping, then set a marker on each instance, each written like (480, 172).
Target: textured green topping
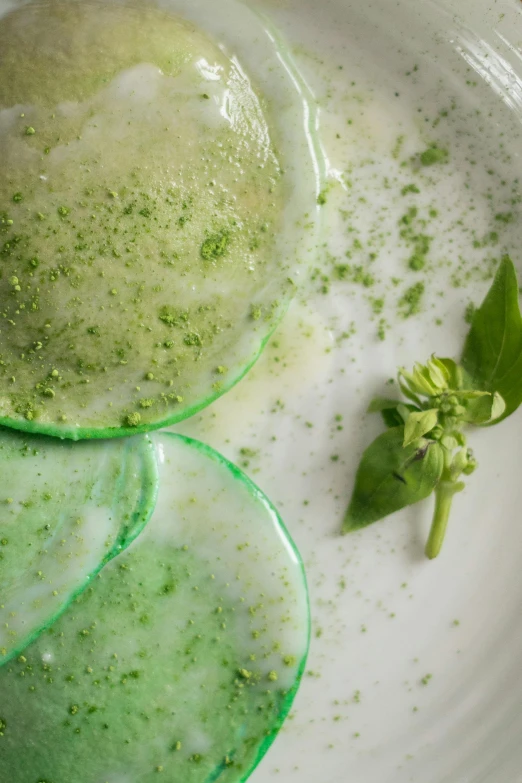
(130, 248)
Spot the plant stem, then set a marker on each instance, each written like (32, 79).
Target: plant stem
(443, 500)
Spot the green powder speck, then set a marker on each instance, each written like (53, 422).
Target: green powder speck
(418, 241)
(356, 274)
(133, 419)
(504, 217)
(396, 151)
(412, 188)
(417, 262)
(215, 246)
(322, 197)
(377, 304)
(410, 301)
(434, 155)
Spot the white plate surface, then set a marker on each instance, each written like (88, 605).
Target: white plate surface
(384, 617)
(414, 669)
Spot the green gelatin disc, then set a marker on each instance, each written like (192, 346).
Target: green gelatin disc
(143, 245)
(181, 657)
(65, 510)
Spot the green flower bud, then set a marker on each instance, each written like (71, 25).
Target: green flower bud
(427, 380)
(441, 366)
(438, 373)
(459, 464)
(449, 442)
(472, 463)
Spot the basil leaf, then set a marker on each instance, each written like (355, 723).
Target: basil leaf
(388, 410)
(379, 404)
(391, 477)
(493, 349)
(392, 418)
(484, 409)
(418, 424)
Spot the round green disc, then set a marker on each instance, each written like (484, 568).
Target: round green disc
(65, 510)
(142, 208)
(182, 656)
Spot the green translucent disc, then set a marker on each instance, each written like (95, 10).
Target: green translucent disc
(142, 207)
(183, 655)
(65, 510)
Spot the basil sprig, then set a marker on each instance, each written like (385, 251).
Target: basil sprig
(424, 449)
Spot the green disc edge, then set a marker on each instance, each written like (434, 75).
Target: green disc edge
(65, 432)
(141, 515)
(260, 496)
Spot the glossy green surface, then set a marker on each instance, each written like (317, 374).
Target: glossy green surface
(65, 510)
(183, 655)
(140, 208)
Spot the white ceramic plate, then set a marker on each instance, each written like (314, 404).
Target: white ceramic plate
(413, 673)
(384, 617)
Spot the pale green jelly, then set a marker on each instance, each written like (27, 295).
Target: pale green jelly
(183, 655)
(65, 510)
(141, 202)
